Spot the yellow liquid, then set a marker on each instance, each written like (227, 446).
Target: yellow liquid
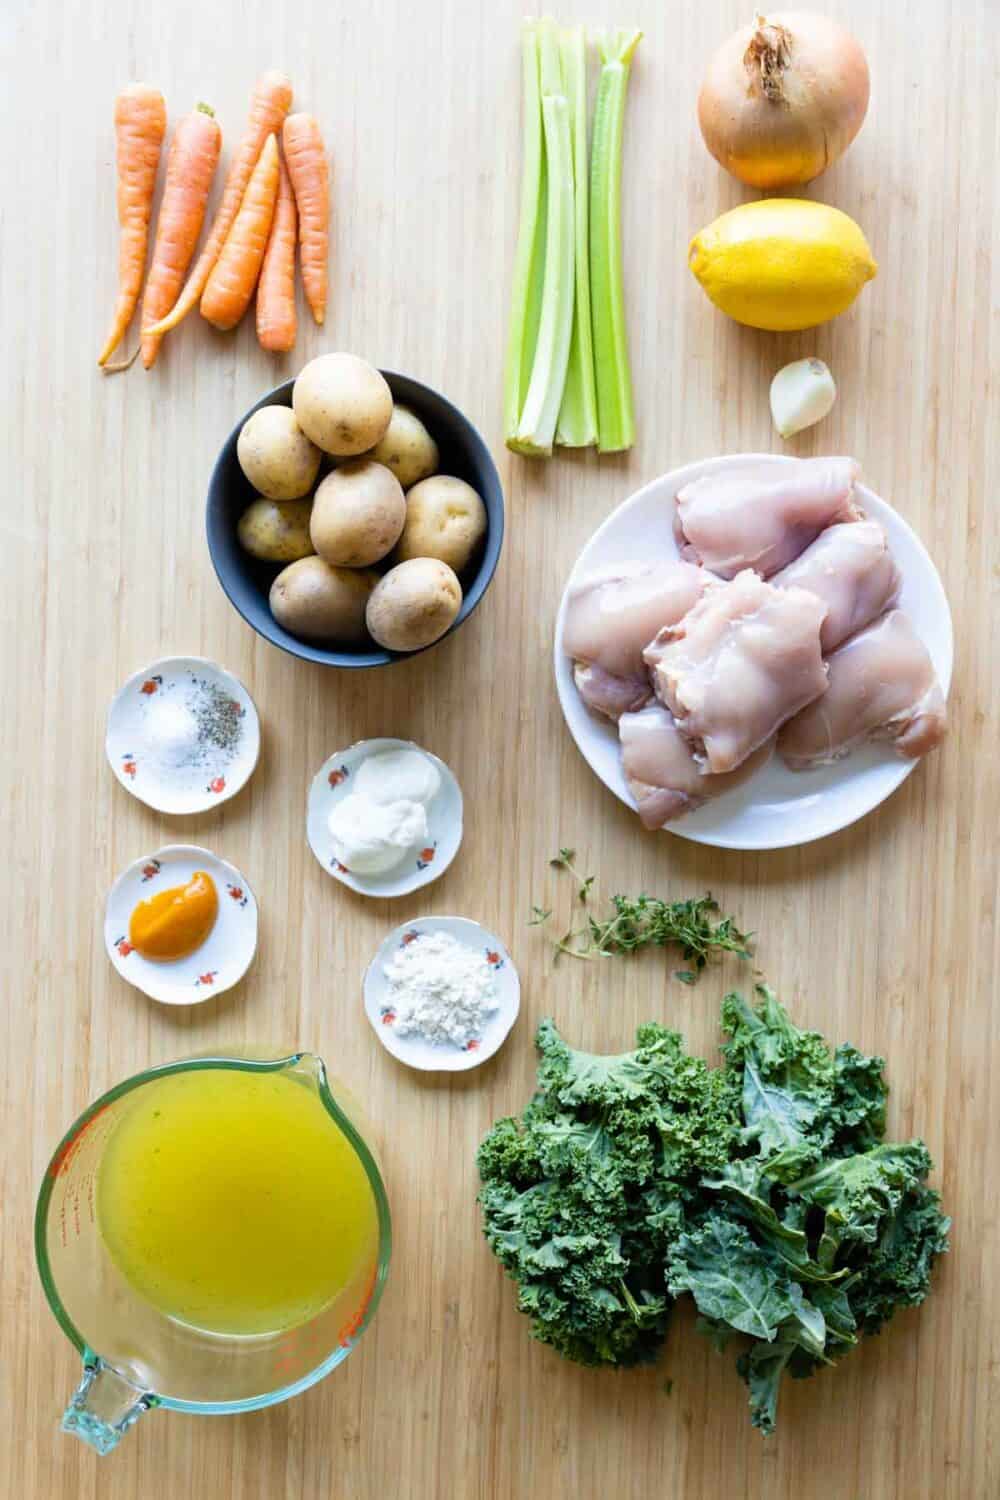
(233, 1202)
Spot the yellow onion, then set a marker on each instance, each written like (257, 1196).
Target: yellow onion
(783, 98)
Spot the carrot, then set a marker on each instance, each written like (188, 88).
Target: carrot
(234, 275)
(310, 174)
(276, 321)
(191, 164)
(140, 125)
(272, 97)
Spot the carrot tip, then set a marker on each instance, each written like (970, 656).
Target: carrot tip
(124, 364)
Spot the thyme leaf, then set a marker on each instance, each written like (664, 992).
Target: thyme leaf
(633, 922)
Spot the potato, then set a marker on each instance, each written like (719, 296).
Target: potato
(358, 514)
(446, 519)
(413, 604)
(275, 454)
(342, 403)
(319, 603)
(276, 531)
(407, 448)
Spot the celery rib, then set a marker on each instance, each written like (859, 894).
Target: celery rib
(537, 425)
(529, 260)
(577, 424)
(615, 413)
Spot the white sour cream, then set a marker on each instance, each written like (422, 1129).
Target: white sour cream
(384, 817)
(398, 776)
(373, 837)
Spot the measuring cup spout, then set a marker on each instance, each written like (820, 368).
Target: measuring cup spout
(104, 1406)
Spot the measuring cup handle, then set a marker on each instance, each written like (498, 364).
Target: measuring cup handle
(104, 1406)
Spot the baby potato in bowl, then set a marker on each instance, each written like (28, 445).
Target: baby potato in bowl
(446, 519)
(276, 456)
(413, 604)
(358, 514)
(247, 579)
(312, 600)
(407, 448)
(276, 531)
(342, 403)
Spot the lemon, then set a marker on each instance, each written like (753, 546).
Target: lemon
(782, 263)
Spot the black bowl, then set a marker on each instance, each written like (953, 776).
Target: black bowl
(247, 581)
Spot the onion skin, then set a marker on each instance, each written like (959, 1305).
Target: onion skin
(784, 98)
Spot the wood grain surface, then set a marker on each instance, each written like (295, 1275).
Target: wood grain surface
(884, 934)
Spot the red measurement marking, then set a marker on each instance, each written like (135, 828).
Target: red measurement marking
(353, 1323)
(61, 1161)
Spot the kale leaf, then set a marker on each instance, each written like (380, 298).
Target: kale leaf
(582, 1195)
(762, 1188)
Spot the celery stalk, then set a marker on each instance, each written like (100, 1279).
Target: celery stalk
(529, 260)
(537, 425)
(577, 425)
(615, 415)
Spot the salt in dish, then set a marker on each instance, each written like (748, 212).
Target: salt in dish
(216, 963)
(183, 735)
(406, 825)
(385, 992)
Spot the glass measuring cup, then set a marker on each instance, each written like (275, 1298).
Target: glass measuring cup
(137, 1357)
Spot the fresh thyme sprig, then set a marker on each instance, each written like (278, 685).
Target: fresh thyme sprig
(646, 921)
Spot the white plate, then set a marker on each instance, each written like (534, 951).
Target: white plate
(213, 775)
(444, 816)
(777, 807)
(432, 1057)
(223, 957)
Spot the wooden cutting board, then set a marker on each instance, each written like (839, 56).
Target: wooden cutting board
(884, 934)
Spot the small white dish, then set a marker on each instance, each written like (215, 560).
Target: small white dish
(173, 742)
(776, 808)
(419, 867)
(223, 957)
(433, 1057)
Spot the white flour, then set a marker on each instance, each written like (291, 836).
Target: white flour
(441, 990)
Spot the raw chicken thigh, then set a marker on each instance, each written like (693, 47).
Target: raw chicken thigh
(663, 775)
(609, 695)
(612, 615)
(882, 687)
(762, 516)
(742, 661)
(850, 569)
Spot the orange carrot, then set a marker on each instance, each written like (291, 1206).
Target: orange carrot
(234, 275)
(140, 125)
(272, 97)
(310, 174)
(191, 164)
(276, 321)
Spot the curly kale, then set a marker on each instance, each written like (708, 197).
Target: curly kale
(838, 1225)
(580, 1196)
(763, 1188)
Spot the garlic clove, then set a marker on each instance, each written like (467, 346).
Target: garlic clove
(801, 393)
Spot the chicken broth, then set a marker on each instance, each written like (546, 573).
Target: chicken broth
(232, 1201)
